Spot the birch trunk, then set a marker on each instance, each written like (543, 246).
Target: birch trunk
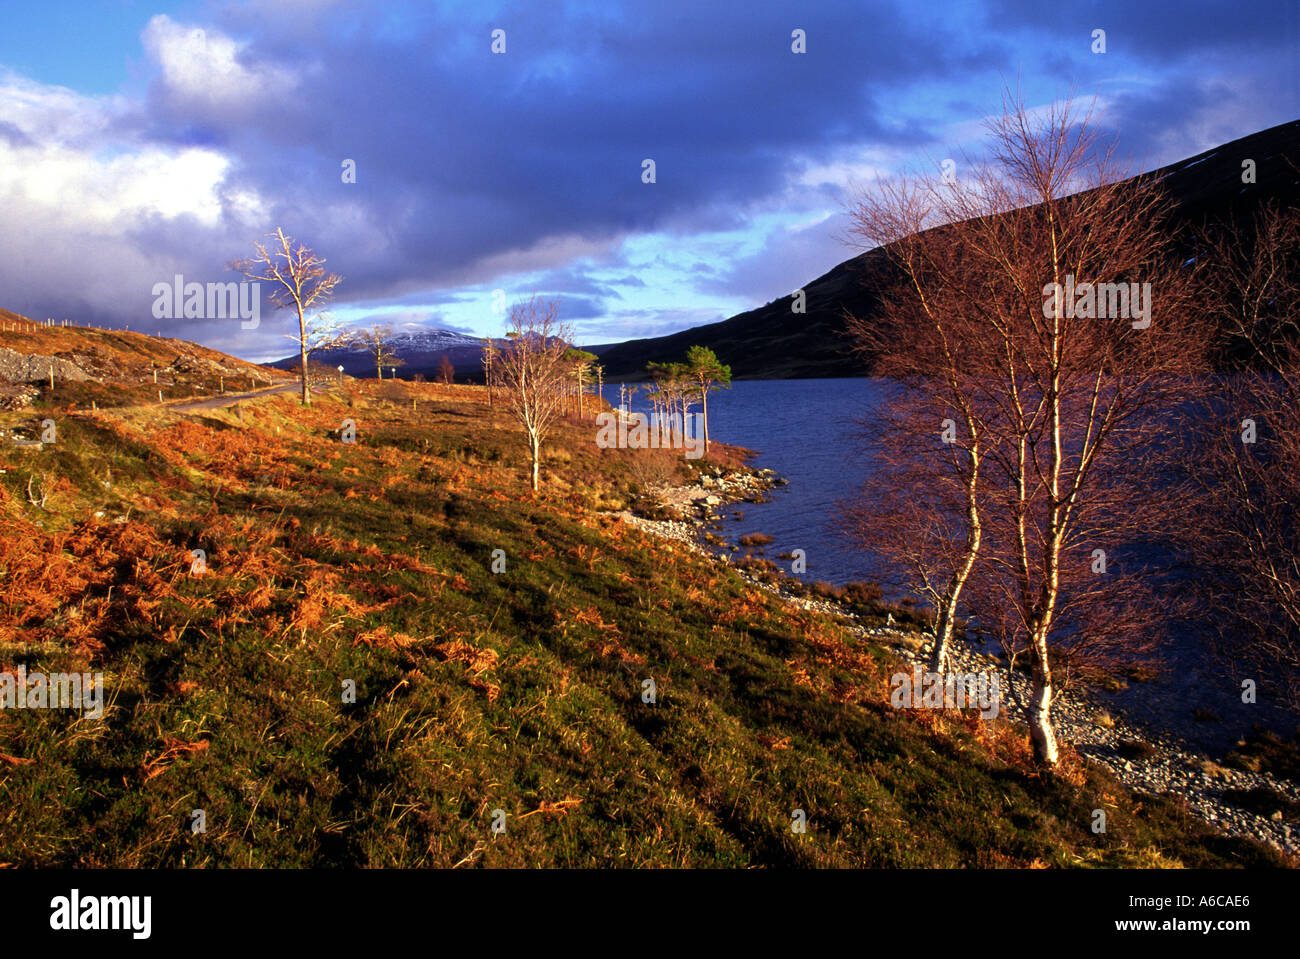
(1041, 732)
(704, 401)
(947, 612)
(302, 333)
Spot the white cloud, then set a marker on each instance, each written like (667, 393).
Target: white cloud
(861, 166)
(90, 202)
(83, 188)
(203, 67)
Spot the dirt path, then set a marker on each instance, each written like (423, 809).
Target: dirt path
(216, 402)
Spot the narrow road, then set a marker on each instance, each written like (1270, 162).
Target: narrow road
(216, 402)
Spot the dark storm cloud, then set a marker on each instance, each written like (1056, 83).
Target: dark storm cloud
(465, 155)
(1158, 31)
(476, 171)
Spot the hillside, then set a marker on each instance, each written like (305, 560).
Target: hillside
(771, 342)
(111, 367)
(330, 566)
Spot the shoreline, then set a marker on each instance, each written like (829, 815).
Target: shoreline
(1168, 765)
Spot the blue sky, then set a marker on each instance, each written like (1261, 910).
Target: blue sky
(141, 140)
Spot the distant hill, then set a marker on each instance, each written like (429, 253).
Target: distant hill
(421, 352)
(771, 342)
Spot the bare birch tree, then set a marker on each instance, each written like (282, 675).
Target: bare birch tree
(533, 369)
(298, 279)
(377, 342)
(1084, 387)
(1059, 387)
(923, 338)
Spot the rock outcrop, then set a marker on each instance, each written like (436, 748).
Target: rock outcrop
(18, 367)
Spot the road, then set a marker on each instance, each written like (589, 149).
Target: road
(227, 399)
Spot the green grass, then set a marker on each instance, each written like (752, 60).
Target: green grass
(475, 691)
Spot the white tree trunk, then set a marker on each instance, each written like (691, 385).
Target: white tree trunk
(946, 615)
(942, 641)
(704, 400)
(302, 332)
(1041, 733)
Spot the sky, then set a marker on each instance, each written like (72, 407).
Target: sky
(144, 140)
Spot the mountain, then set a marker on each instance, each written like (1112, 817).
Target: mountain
(420, 350)
(771, 342)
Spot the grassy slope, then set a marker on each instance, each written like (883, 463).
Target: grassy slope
(132, 358)
(519, 691)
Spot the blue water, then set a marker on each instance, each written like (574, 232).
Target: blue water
(805, 431)
(808, 432)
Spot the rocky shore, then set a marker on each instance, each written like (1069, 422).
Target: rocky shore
(1142, 756)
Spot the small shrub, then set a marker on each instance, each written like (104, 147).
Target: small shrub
(1135, 749)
